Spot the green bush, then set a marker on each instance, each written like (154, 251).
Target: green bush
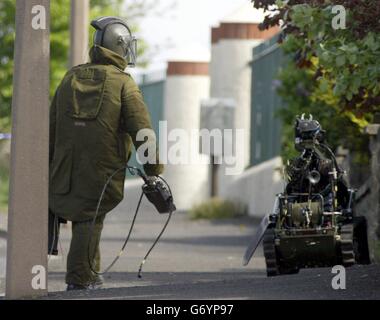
(4, 189)
(217, 208)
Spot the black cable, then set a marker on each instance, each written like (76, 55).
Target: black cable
(167, 184)
(55, 231)
(93, 225)
(154, 244)
(333, 158)
(123, 247)
(132, 170)
(159, 236)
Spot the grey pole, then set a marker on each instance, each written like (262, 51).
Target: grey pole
(79, 26)
(28, 203)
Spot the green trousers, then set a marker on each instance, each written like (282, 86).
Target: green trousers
(78, 268)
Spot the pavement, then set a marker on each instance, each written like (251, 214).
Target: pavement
(3, 248)
(197, 260)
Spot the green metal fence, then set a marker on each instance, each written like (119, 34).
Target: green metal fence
(265, 126)
(153, 93)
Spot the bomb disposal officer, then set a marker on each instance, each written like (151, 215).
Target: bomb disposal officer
(95, 115)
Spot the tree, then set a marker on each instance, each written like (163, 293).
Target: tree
(300, 94)
(333, 72)
(345, 60)
(7, 14)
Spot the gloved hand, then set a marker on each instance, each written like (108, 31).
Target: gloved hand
(151, 180)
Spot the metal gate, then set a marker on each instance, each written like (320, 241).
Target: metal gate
(265, 126)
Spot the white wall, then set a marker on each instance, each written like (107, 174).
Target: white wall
(257, 187)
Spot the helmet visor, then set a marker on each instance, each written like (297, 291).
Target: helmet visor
(130, 45)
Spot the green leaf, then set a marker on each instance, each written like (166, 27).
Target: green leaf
(356, 83)
(324, 85)
(370, 41)
(352, 58)
(340, 60)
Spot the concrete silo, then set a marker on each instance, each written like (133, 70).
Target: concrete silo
(186, 85)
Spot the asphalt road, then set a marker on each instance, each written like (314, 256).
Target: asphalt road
(362, 284)
(202, 260)
(199, 260)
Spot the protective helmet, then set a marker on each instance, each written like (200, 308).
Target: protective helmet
(114, 34)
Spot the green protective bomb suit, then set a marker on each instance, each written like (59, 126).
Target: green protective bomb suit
(95, 116)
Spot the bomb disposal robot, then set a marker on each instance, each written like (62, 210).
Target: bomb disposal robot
(313, 222)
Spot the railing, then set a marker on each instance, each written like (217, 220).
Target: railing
(5, 136)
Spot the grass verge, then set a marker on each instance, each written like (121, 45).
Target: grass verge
(217, 208)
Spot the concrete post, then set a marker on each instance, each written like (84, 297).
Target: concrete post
(79, 31)
(372, 213)
(28, 202)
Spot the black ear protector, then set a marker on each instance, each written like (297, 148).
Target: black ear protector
(101, 24)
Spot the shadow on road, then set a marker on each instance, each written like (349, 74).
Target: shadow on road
(363, 282)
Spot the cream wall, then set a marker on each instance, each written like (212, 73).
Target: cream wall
(257, 187)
